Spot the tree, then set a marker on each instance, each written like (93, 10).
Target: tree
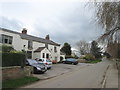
(83, 47)
(95, 50)
(108, 15)
(66, 49)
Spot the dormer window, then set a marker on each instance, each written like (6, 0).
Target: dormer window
(7, 39)
(30, 44)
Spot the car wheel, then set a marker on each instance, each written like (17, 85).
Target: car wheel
(72, 63)
(63, 62)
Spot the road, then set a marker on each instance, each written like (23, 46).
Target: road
(88, 77)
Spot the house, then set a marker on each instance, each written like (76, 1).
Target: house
(35, 47)
(62, 55)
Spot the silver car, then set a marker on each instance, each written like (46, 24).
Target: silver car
(47, 62)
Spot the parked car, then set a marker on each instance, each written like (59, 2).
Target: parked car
(37, 66)
(47, 62)
(70, 61)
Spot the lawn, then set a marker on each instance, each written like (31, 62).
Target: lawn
(15, 83)
(94, 61)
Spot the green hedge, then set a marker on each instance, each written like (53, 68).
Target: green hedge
(13, 59)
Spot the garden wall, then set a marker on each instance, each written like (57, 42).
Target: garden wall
(16, 72)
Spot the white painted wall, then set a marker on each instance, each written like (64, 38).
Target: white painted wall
(36, 55)
(16, 39)
(37, 44)
(63, 56)
(45, 51)
(54, 54)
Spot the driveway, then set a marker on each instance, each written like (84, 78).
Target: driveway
(60, 69)
(80, 76)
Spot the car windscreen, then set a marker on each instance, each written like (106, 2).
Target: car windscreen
(71, 60)
(48, 60)
(31, 62)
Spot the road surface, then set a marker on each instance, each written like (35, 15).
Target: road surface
(88, 77)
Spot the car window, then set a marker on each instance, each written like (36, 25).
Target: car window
(31, 61)
(48, 60)
(40, 60)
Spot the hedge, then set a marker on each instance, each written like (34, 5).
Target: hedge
(13, 59)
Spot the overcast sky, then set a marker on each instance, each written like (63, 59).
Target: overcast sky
(65, 21)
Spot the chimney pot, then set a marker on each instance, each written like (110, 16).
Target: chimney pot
(24, 31)
(47, 37)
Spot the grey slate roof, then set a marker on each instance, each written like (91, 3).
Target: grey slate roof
(39, 49)
(33, 38)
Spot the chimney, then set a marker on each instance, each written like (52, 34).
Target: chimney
(47, 37)
(24, 31)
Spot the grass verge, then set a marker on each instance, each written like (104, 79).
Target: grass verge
(15, 83)
(93, 61)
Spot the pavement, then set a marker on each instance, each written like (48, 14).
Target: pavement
(111, 77)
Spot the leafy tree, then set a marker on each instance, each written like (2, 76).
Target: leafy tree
(66, 49)
(95, 50)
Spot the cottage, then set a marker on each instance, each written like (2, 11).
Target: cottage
(35, 47)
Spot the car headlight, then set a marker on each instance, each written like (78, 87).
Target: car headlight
(38, 68)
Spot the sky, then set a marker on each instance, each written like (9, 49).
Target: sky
(64, 20)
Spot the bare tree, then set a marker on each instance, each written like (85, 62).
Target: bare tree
(108, 15)
(83, 47)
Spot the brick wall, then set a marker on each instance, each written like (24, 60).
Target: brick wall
(15, 72)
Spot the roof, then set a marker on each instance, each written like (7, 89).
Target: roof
(39, 49)
(61, 53)
(33, 38)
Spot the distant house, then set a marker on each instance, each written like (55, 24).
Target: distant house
(62, 55)
(35, 47)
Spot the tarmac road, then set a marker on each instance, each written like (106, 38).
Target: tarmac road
(88, 77)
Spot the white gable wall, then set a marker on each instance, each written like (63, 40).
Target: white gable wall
(16, 39)
(54, 54)
(37, 44)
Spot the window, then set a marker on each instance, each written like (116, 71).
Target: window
(43, 55)
(47, 55)
(29, 54)
(55, 49)
(55, 58)
(7, 39)
(30, 44)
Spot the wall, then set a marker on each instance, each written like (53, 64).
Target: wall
(45, 51)
(54, 54)
(16, 39)
(15, 72)
(36, 55)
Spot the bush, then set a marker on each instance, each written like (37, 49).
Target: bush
(89, 57)
(13, 59)
(5, 48)
(68, 56)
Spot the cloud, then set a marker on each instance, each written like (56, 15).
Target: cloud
(64, 21)
(12, 24)
(70, 26)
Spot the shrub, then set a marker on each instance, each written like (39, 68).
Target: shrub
(13, 59)
(89, 57)
(68, 56)
(5, 48)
